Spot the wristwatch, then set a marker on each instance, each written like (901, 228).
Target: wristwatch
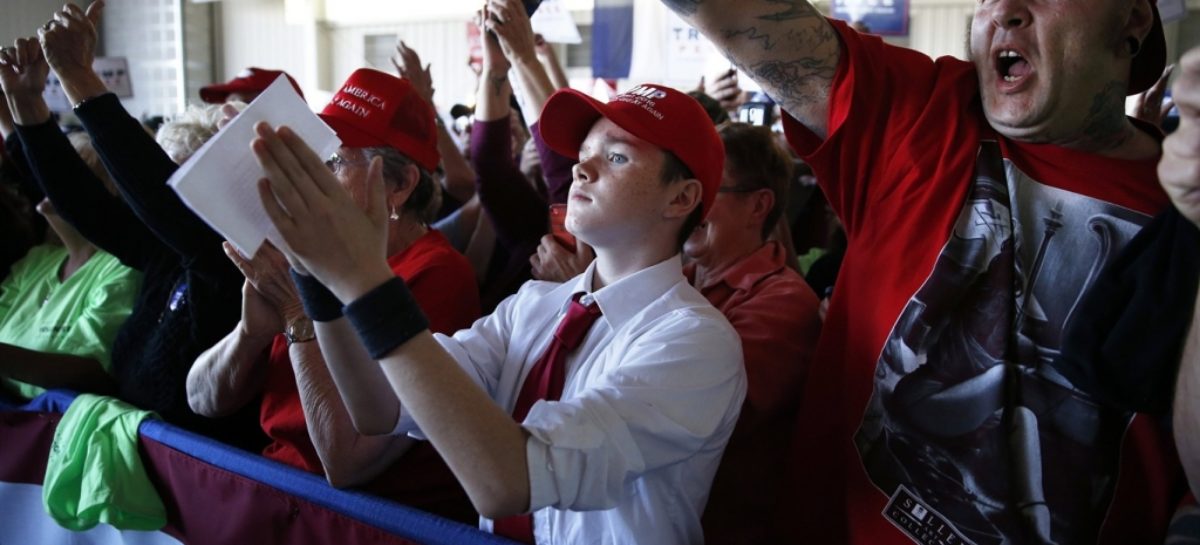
(299, 331)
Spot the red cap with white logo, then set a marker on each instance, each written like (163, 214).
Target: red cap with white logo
(667, 118)
(376, 109)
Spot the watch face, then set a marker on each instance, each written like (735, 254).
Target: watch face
(300, 331)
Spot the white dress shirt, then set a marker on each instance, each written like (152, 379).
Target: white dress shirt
(651, 397)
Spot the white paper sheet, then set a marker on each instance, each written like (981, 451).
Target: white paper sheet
(220, 181)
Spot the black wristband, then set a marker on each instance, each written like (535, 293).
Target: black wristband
(320, 304)
(386, 317)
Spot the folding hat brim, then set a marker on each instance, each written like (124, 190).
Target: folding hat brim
(566, 119)
(216, 94)
(569, 115)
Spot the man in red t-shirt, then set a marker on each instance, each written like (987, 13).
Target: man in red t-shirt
(979, 199)
(277, 352)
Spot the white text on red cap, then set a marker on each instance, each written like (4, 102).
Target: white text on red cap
(363, 95)
(644, 97)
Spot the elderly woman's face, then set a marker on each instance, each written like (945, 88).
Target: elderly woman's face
(350, 166)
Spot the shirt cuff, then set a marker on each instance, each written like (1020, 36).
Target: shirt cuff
(542, 492)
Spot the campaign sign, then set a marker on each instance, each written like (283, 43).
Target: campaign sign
(883, 17)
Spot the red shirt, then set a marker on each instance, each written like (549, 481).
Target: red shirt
(775, 314)
(933, 412)
(442, 282)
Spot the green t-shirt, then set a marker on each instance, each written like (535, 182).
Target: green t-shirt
(95, 473)
(79, 317)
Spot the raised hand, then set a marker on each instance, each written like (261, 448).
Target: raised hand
(408, 66)
(726, 90)
(494, 60)
(267, 274)
(1149, 105)
(324, 229)
(1179, 169)
(23, 69)
(555, 263)
(69, 39)
(23, 74)
(511, 25)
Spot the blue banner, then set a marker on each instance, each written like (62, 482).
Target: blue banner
(883, 17)
(612, 38)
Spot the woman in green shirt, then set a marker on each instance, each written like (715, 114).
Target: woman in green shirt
(61, 307)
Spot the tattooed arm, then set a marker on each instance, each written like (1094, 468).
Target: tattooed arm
(787, 46)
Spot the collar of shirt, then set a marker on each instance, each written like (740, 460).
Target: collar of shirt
(626, 297)
(744, 274)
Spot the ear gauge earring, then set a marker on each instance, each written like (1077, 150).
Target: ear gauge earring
(1135, 47)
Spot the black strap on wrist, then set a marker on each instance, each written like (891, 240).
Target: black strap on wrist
(386, 317)
(320, 304)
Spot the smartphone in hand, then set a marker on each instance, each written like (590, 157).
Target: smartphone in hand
(558, 226)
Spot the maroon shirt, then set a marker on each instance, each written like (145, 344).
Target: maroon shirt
(775, 314)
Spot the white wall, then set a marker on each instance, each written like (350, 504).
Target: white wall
(254, 33)
(20, 18)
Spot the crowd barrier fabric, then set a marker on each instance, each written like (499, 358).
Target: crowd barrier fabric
(213, 493)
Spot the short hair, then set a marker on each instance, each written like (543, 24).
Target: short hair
(712, 107)
(674, 170)
(754, 159)
(184, 133)
(83, 146)
(426, 199)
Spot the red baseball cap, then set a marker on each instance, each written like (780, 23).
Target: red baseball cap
(667, 118)
(374, 109)
(1151, 59)
(251, 80)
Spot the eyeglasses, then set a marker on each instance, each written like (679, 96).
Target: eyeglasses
(337, 163)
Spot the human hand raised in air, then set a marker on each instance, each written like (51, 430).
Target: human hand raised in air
(328, 233)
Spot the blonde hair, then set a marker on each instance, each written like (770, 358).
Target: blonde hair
(185, 133)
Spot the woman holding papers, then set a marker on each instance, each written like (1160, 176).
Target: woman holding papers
(277, 352)
(190, 294)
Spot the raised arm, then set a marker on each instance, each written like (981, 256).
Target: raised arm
(138, 164)
(549, 58)
(1179, 172)
(510, 24)
(520, 47)
(460, 179)
(786, 46)
(76, 192)
(517, 212)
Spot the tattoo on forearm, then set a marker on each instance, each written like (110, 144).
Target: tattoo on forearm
(751, 34)
(797, 82)
(683, 7)
(498, 83)
(796, 9)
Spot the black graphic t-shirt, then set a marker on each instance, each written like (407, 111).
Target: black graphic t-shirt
(934, 413)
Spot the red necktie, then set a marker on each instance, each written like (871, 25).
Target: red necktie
(545, 381)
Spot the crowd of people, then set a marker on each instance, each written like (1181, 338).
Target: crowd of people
(1011, 353)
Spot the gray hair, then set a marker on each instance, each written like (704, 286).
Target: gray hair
(426, 199)
(183, 135)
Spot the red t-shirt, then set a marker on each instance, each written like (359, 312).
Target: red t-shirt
(775, 314)
(933, 412)
(443, 284)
